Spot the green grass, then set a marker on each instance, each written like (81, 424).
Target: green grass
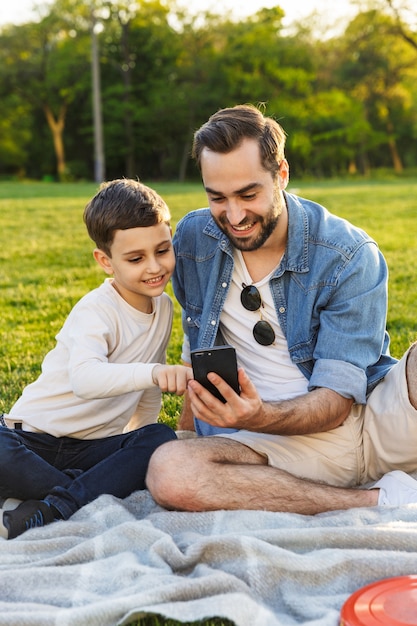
(46, 265)
(46, 262)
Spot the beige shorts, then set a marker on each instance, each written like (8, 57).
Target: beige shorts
(374, 439)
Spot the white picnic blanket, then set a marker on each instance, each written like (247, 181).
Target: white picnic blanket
(118, 560)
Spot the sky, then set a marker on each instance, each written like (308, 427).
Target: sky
(18, 11)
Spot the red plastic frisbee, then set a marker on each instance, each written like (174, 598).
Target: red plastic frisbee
(389, 602)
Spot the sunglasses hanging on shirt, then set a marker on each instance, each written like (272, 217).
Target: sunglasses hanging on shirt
(251, 300)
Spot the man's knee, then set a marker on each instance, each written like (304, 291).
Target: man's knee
(162, 474)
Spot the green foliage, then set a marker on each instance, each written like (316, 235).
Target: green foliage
(347, 103)
(138, 52)
(43, 66)
(375, 67)
(14, 133)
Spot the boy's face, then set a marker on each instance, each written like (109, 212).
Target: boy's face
(142, 262)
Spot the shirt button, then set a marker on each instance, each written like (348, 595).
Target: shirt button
(188, 319)
(282, 309)
(213, 322)
(224, 285)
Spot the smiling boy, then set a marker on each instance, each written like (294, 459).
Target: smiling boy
(87, 426)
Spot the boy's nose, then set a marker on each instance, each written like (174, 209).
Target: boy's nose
(154, 265)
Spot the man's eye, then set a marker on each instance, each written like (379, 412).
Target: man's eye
(249, 196)
(217, 199)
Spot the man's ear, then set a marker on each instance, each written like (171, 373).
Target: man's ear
(103, 260)
(283, 174)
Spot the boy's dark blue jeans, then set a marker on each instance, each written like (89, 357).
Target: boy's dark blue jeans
(68, 473)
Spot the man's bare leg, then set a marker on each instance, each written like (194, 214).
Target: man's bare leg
(211, 473)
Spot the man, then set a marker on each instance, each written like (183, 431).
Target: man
(323, 407)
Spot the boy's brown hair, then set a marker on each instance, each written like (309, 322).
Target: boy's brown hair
(121, 204)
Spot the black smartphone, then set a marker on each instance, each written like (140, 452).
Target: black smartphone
(219, 359)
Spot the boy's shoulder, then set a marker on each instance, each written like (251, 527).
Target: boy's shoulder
(104, 304)
(106, 297)
(164, 301)
(92, 304)
(103, 291)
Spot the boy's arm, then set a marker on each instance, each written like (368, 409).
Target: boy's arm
(102, 360)
(172, 378)
(147, 410)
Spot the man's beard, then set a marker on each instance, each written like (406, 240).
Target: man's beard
(268, 225)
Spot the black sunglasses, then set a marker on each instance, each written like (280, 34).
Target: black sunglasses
(251, 301)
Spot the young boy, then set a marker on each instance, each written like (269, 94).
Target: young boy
(87, 426)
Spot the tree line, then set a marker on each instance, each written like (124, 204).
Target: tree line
(348, 103)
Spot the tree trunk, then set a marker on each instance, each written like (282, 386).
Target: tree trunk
(130, 163)
(396, 159)
(352, 169)
(56, 127)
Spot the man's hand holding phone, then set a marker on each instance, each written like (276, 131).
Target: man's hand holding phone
(239, 405)
(222, 361)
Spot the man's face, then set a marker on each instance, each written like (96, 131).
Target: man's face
(245, 201)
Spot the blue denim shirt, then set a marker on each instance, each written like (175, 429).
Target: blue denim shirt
(330, 295)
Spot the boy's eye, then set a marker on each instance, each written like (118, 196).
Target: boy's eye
(138, 259)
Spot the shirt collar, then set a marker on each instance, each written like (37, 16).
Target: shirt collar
(295, 258)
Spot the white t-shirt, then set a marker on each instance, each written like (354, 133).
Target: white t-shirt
(270, 368)
(97, 380)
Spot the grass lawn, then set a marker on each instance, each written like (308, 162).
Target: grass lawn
(47, 265)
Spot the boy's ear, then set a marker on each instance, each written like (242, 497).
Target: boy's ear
(103, 260)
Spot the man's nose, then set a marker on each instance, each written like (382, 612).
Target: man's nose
(234, 212)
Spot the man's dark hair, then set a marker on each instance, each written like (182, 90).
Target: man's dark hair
(226, 129)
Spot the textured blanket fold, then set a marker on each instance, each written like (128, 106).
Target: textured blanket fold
(118, 560)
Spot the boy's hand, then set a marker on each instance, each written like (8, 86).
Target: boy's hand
(172, 378)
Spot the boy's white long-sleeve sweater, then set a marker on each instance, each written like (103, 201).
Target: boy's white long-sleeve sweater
(97, 380)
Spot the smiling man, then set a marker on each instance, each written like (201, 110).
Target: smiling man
(323, 407)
